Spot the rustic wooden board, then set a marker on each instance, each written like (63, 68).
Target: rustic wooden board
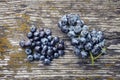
(17, 15)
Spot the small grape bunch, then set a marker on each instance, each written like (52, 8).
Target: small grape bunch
(41, 45)
(86, 43)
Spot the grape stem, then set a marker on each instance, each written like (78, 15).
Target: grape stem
(92, 58)
(97, 56)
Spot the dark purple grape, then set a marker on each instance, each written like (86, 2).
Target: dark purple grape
(88, 46)
(77, 52)
(77, 29)
(71, 34)
(84, 33)
(74, 41)
(82, 40)
(84, 54)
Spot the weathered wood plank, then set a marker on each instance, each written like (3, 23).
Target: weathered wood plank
(17, 15)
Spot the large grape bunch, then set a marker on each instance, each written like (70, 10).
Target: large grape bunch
(86, 43)
(41, 45)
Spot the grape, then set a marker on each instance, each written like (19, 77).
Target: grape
(85, 41)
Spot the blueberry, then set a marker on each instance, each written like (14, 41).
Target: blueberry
(89, 37)
(60, 47)
(100, 38)
(85, 27)
(22, 43)
(49, 38)
(88, 46)
(61, 52)
(41, 34)
(45, 48)
(74, 41)
(46, 61)
(33, 28)
(28, 43)
(36, 56)
(44, 40)
(96, 50)
(52, 43)
(42, 57)
(49, 52)
(41, 29)
(30, 35)
(65, 29)
(94, 40)
(102, 44)
(80, 23)
(72, 18)
(50, 57)
(62, 42)
(28, 51)
(99, 33)
(71, 34)
(49, 44)
(84, 54)
(36, 34)
(80, 46)
(48, 32)
(56, 55)
(93, 33)
(84, 33)
(77, 29)
(82, 40)
(71, 28)
(37, 48)
(36, 38)
(56, 39)
(64, 20)
(77, 51)
(31, 40)
(54, 49)
(59, 24)
(38, 43)
(33, 44)
(30, 58)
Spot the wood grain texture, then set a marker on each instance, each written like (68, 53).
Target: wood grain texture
(16, 16)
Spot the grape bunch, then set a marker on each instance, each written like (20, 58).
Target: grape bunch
(41, 45)
(86, 43)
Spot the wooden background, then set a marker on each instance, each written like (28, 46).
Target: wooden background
(16, 16)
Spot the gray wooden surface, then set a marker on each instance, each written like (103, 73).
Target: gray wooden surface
(17, 15)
